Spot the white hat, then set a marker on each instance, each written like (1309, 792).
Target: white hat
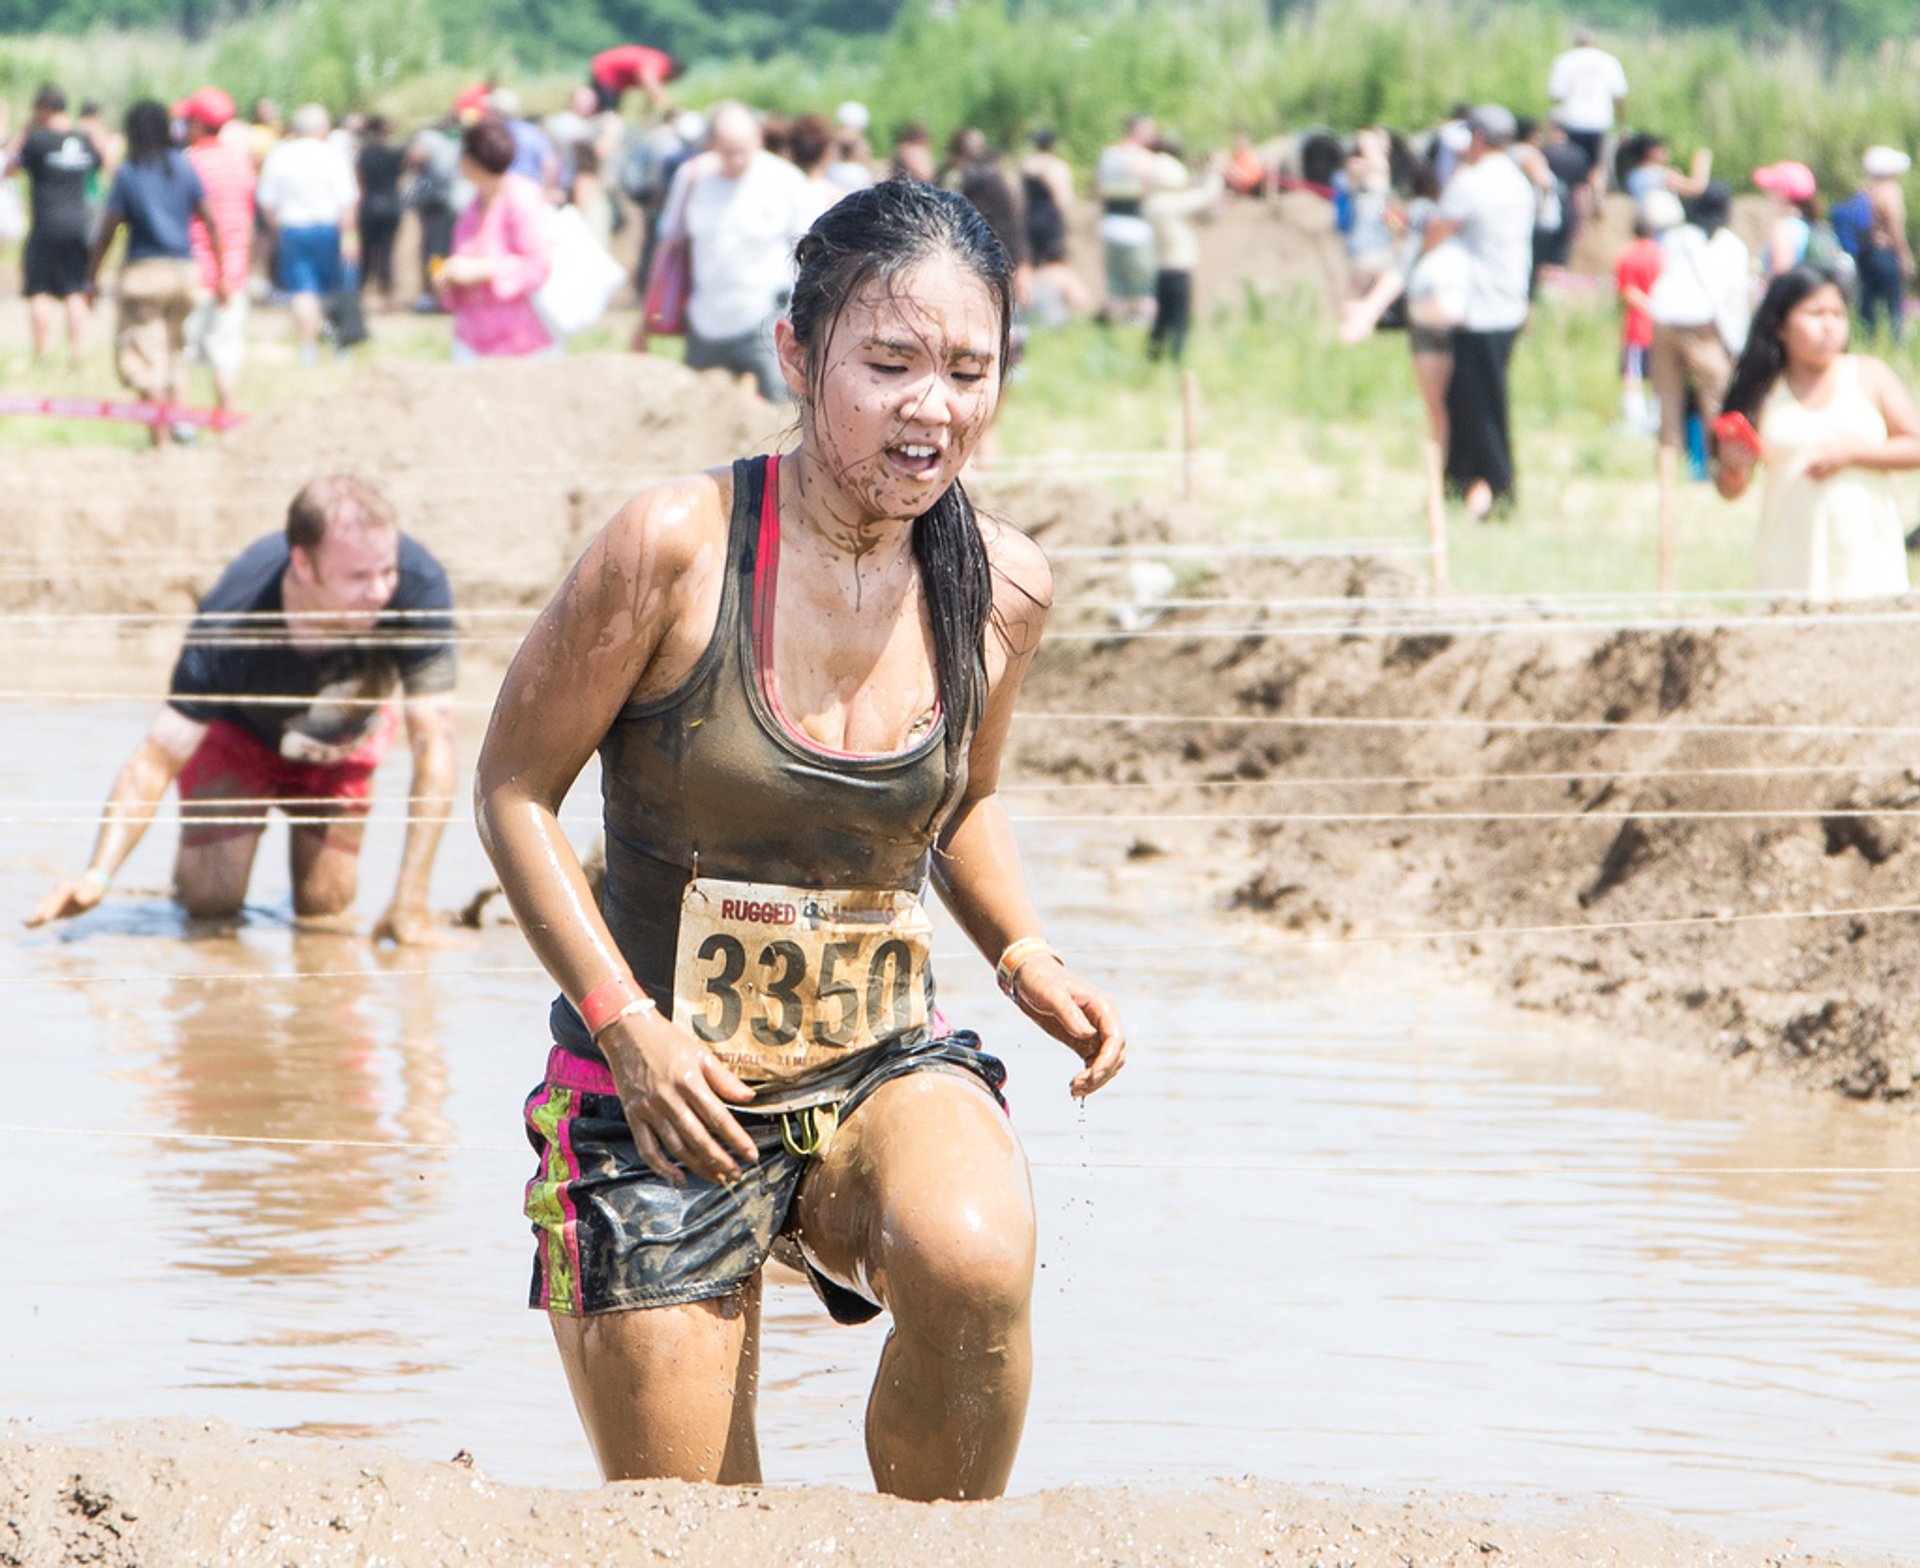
(852, 116)
(505, 102)
(1456, 136)
(690, 125)
(1885, 162)
(1661, 210)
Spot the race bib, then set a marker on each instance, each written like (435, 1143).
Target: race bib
(778, 980)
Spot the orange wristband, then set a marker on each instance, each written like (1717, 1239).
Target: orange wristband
(611, 1001)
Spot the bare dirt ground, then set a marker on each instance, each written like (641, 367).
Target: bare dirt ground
(165, 1495)
(1654, 891)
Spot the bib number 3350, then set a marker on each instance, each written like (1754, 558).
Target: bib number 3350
(777, 980)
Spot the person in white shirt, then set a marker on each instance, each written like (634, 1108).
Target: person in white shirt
(1588, 87)
(1489, 204)
(742, 210)
(1701, 309)
(312, 200)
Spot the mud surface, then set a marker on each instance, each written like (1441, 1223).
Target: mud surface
(504, 470)
(157, 1495)
(1672, 855)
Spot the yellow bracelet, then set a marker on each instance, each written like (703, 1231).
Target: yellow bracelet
(1017, 956)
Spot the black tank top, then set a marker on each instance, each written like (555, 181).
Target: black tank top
(713, 780)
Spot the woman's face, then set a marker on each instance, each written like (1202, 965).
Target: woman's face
(909, 381)
(1814, 333)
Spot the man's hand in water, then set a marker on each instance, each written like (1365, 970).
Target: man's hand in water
(70, 898)
(410, 925)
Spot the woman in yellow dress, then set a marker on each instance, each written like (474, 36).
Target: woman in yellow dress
(1833, 428)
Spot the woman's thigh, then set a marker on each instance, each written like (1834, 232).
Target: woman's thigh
(924, 1188)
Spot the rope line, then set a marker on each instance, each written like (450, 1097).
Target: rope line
(196, 818)
(1131, 952)
(1406, 780)
(1540, 606)
(1463, 722)
(1070, 716)
(1090, 1165)
(1082, 786)
(1357, 629)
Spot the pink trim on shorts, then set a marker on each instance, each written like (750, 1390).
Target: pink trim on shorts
(567, 1071)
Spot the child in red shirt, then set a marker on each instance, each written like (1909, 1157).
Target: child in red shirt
(1633, 278)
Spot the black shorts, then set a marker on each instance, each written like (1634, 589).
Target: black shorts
(611, 1235)
(55, 264)
(1589, 142)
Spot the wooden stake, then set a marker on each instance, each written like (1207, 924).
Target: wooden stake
(1669, 477)
(1436, 514)
(1190, 432)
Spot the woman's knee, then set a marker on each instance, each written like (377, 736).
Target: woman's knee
(960, 1266)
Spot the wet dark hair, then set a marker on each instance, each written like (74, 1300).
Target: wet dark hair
(489, 144)
(1044, 137)
(49, 100)
(1765, 356)
(875, 236)
(1423, 180)
(149, 132)
(1710, 210)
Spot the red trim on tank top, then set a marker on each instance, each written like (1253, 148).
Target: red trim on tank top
(766, 570)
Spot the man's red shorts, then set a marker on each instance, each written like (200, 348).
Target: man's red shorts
(234, 778)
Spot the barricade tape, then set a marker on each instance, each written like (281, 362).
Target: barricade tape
(120, 411)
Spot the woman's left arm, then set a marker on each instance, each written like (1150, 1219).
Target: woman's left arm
(976, 864)
(1900, 452)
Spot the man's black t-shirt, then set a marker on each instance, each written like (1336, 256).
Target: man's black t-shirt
(59, 162)
(1569, 163)
(237, 647)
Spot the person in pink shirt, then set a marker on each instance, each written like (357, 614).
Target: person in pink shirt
(501, 255)
(217, 329)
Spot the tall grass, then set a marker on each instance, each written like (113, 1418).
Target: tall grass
(1206, 67)
(1210, 67)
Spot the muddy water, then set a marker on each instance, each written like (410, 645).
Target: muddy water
(1340, 1221)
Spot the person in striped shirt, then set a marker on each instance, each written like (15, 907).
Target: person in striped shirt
(217, 329)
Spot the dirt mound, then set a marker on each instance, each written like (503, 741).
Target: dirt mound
(1668, 815)
(159, 1496)
(502, 469)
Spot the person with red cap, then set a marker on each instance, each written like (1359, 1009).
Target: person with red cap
(615, 72)
(1794, 210)
(217, 329)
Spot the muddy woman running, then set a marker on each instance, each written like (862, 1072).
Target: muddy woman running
(799, 674)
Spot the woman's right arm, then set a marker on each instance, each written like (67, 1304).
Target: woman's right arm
(585, 656)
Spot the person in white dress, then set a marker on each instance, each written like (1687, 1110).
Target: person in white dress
(1833, 429)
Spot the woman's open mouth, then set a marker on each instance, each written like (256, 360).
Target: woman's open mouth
(914, 460)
